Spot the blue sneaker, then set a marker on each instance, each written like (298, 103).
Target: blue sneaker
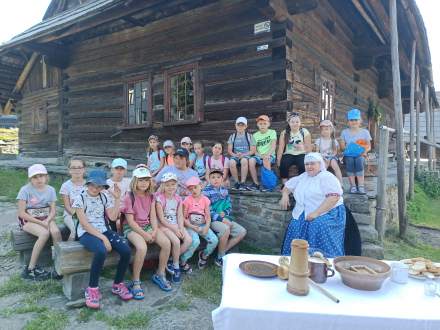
(176, 276)
(169, 267)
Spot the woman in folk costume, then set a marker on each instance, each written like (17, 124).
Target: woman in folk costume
(319, 213)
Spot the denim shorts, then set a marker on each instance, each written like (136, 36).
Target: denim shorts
(259, 160)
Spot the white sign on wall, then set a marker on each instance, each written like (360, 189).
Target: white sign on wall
(262, 27)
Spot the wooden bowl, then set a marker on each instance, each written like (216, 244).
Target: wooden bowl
(362, 280)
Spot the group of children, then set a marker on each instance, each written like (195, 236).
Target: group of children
(106, 214)
(245, 151)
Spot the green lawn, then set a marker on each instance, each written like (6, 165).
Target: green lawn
(398, 249)
(423, 210)
(12, 180)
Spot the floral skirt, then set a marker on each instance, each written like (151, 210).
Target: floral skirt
(324, 234)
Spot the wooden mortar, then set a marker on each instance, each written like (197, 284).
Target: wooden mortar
(298, 283)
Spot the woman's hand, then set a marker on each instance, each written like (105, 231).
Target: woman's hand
(312, 216)
(284, 202)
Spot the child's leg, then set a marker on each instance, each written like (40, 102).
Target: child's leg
(349, 166)
(68, 221)
(359, 169)
(187, 241)
(233, 168)
(253, 170)
(141, 251)
(175, 244)
(286, 162)
(97, 247)
(335, 166)
(165, 247)
(212, 241)
(244, 168)
(222, 230)
(42, 234)
(120, 244)
(55, 232)
(267, 164)
(192, 248)
(238, 232)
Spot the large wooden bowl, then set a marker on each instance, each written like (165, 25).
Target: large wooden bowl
(362, 281)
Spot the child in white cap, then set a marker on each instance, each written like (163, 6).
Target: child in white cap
(187, 144)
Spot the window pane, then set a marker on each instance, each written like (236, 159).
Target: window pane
(138, 101)
(182, 96)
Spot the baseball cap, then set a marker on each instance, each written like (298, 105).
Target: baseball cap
(119, 162)
(192, 181)
(186, 139)
(263, 117)
(141, 172)
(182, 152)
(168, 143)
(354, 114)
(326, 122)
(215, 170)
(97, 177)
(241, 120)
(168, 177)
(36, 169)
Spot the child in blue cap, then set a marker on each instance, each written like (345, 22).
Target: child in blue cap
(356, 142)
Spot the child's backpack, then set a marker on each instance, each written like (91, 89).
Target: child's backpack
(268, 178)
(122, 217)
(223, 158)
(103, 199)
(248, 140)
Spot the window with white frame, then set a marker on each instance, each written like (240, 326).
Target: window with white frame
(327, 98)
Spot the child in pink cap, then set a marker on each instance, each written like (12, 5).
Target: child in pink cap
(36, 215)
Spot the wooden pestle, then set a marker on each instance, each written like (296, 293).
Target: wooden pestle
(298, 283)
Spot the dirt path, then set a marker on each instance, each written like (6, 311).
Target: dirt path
(159, 310)
(428, 235)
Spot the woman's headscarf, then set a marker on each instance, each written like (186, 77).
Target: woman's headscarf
(315, 157)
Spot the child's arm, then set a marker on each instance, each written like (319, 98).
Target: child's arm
(252, 150)
(308, 147)
(52, 212)
(90, 229)
(25, 216)
(186, 221)
(230, 152)
(161, 217)
(281, 146)
(67, 207)
(207, 220)
(113, 212)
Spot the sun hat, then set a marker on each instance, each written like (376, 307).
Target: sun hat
(36, 169)
(97, 177)
(315, 157)
(153, 137)
(141, 172)
(354, 114)
(186, 139)
(192, 181)
(168, 177)
(241, 120)
(263, 117)
(141, 165)
(119, 162)
(326, 122)
(168, 143)
(182, 152)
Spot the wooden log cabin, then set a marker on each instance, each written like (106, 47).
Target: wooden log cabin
(99, 76)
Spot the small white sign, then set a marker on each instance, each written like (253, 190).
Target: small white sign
(262, 27)
(262, 47)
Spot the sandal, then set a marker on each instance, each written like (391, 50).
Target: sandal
(161, 282)
(138, 293)
(202, 261)
(186, 268)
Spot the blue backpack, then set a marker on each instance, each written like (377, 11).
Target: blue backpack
(268, 178)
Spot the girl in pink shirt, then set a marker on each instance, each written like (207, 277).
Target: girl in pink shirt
(140, 227)
(197, 221)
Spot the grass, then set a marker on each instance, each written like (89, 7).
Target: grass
(30, 308)
(133, 320)
(12, 180)
(35, 290)
(205, 284)
(396, 248)
(424, 210)
(49, 320)
(251, 249)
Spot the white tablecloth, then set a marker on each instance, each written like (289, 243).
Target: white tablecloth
(253, 303)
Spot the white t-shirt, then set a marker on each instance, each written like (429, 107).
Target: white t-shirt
(72, 190)
(325, 146)
(217, 163)
(94, 210)
(124, 185)
(310, 191)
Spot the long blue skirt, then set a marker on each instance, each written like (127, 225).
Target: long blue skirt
(324, 234)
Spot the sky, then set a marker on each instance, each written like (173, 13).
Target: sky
(22, 14)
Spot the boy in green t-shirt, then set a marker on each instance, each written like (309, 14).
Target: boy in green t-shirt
(266, 141)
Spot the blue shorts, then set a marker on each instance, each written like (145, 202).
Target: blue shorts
(237, 159)
(259, 160)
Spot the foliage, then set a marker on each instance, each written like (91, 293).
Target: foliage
(429, 182)
(50, 320)
(205, 284)
(15, 284)
(133, 320)
(375, 111)
(424, 210)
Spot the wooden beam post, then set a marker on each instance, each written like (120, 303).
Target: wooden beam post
(431, 109)
(412, 123)
(428, 125)
(418, 122)
(381, 199)
(403, 223)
